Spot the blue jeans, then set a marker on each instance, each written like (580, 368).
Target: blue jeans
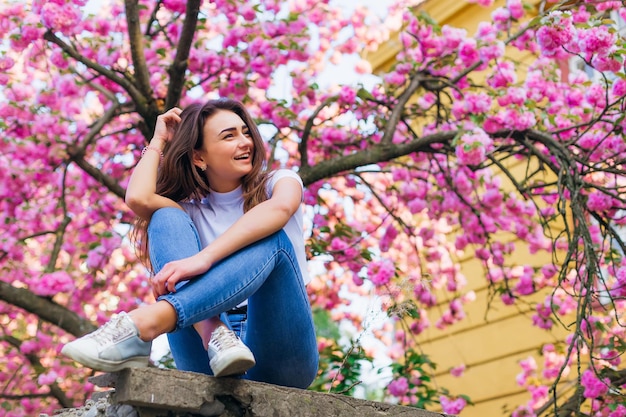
(279, 326)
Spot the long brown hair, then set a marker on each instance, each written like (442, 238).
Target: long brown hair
(178, 178)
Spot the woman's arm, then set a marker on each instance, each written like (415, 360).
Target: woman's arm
(141, 194)
(257, 223)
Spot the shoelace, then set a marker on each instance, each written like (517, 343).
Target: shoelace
(223, 338)
(110, 331)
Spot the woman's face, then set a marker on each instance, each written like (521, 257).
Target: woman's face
(226, 152)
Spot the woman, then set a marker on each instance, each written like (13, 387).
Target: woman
(220, 232)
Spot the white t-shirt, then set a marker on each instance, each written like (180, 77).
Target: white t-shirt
(216, 212)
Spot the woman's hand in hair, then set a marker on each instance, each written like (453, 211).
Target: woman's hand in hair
(141, 195)
(166, 126)
(174, 272)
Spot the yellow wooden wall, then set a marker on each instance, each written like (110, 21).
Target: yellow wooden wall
(493, 338)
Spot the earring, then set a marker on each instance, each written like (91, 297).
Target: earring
(203, 168)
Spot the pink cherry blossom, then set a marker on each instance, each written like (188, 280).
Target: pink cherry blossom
(516, 8)
(54, 283)
(452, 405)
(175, 5)
(594, 387)
(47, 378)
(61, 17)
(473, 147)
(458, 370)
(553, 38)
(398, 387)
(596, 40)
(484, 3)
(381, 272)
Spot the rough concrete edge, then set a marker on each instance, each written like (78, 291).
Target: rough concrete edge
(104, 403)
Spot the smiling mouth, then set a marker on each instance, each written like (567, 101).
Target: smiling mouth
(244, 156)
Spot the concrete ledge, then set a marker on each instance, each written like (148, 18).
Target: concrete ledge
(154, 392)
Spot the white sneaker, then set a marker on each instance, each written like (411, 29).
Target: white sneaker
(114, 346)
(227, 353)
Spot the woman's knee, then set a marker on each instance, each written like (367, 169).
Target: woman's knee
(172, 235)
(172, 223)
(168, 217)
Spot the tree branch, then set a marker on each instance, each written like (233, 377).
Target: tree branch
(125, 83)
(373, 155)
(153, 17)
(110, 183)
(77, 154)
(570, 407)
(94, 130)
(178, 70)
(398, 108)
(303, 148)
(46, 309)
(136, 40)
